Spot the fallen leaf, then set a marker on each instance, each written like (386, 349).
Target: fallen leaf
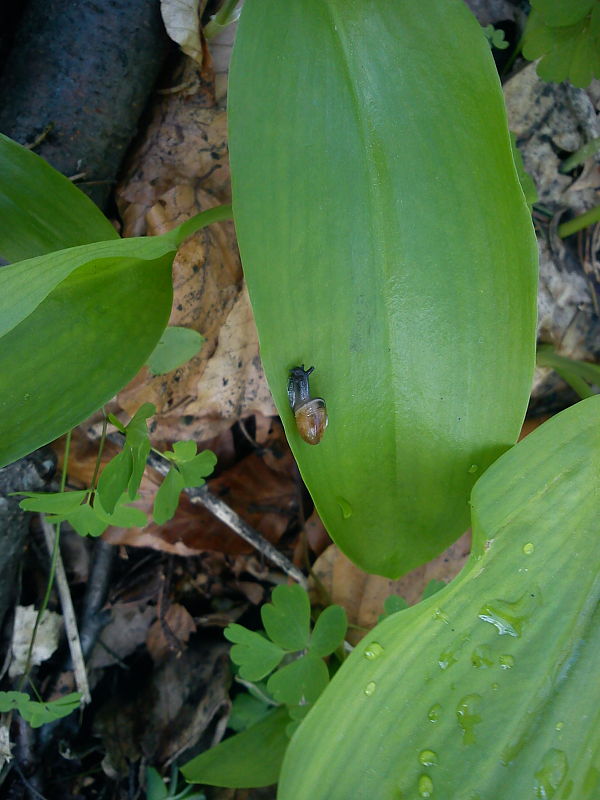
(182, 21)
(170, 633)
(46, 640)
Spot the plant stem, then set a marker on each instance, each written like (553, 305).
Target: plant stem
(579, 156)
(53, 561)
(228, 13)
(578, 223)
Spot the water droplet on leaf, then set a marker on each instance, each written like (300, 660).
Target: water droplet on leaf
(473, 468)
(482, 657)
(428, 758)
(528, 548)
(559, 726)
(506, 661)
(345, 507)
(425, 786)
(370, 688)
(509, 618)
(373, 651)
(468, 716)
(550, 774)
(434, 713)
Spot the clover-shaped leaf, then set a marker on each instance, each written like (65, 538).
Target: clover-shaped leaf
(287, 617)
(329, 631)
(300, 682)
(254, 655)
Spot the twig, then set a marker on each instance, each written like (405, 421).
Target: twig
(202, 496)
(70, 621)
(92, 618)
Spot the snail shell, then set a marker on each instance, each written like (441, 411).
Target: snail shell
(311, 420)
(310, 412)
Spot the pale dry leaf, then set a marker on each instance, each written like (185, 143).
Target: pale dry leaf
(363, 594)
(185, 144)
(182, 21)
(125, 632)
(5, 746)
(46, 640)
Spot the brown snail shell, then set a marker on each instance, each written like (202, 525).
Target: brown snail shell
(311, 420)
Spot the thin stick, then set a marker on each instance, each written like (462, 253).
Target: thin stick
(69, 618)
(201, 496)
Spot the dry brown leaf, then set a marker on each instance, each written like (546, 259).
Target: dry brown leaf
(125, 632)
(266, 500)
(182, 21)
(170, 633)
(362, 594)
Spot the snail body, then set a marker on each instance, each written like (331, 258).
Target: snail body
(310, 412)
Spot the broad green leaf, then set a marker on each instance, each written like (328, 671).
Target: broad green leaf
(176, 346)
(248, 759)
(194, 471)
(114, 479)
(25, 285)
(167, 496)
(40, 209)
(386, 242)
(287, 617)
(525, 179)
(52, 502)
(255, 655)
(329, 631)
(558, 13)
(489, 688)
(84, 342)
(300, 682)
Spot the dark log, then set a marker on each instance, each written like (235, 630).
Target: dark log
(85, 68)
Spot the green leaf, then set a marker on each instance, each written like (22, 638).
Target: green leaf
(329, 631)
(83, 343)
(40, 209)
(184, 451)
(432, 587)
(87, 521)
(255, 655)
(123, 515)
(580, 375)
(114, 479)
(167, 496)
(246, 710)
(52, 502)
(247, 760)
(558, 13)
(194, 471)
(489, 688)
(300, 682)
(155, 786)
(175, 347)
(391, 605)
(136, 439)
(525, 179)
(411, 332)
(287, 617)
(36, 713)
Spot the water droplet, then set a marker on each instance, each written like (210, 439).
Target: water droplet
(373, 651)
(482, 657)
(345, 507)
(468, 716)
(439, 615)
(495, 686)
(446, 659)
(509, 618)
(506, 661)
(370, 688)
(27, 396)
(528, 548)
(473, 468)
(434, 713)
(425, 786)
(451, 655)
(429, 758)
(559, 726)
(550, 773)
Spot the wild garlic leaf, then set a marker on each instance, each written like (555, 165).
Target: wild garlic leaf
(255, 655)
(329, 631)
(287, 617)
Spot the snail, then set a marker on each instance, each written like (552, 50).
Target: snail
(310, 412)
